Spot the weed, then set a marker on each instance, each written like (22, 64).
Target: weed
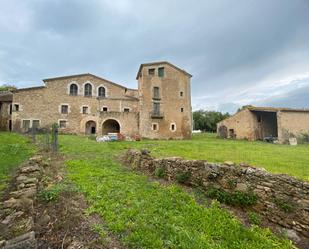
(284, 205)
(51, 193)
(254, 218)
(232, 183)
(183, 177)
(160, 172)
(236, 198)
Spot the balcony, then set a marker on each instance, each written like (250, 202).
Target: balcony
(157, 115)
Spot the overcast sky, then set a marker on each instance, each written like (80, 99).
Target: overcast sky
(239, 51)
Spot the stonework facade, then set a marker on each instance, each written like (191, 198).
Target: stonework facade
(258, 123)
(88, 104)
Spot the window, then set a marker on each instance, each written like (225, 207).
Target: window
(151, 71)
(35, 124)
(101, 92)
(156, 92)
(156, 108)
(16, 107)
(181, 94)
(26, 124)
(181, 109)
(62, 124)
(126, 109)
(232, 133)
(173, 127)
(85, 109)
(154, 127)
(88, 90)
(73, 89)
(161, 71)
(104, 109)
(64, 109)
(11, 108)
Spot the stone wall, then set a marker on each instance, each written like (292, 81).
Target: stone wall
(17, 212)
(281, 199)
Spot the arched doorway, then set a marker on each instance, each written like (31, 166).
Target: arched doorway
(91, 127)
(223, 131)
(110, 126)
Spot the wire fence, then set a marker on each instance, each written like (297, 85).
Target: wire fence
(45, 138)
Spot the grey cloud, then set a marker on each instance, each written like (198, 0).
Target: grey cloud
(229, 46)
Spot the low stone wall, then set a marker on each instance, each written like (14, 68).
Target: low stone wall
(17, 212)
(282, 199)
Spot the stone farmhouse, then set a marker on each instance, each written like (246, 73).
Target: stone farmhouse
(87, 104)
(257, 123)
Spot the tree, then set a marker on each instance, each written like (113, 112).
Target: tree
(207, 120)
(244, 107)
(7, 87)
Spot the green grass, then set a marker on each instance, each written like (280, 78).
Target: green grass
(292, 160)
(145, 214)
(14, 149)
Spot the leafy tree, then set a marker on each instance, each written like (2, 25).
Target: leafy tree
(244, 107)
(7, 87)
(207, 120)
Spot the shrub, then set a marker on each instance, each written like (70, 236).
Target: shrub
(303, 138)
(236, 198)
(183, 177)
(254, 218)
(160, 172)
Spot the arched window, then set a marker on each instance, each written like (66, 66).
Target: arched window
(88, 90)
(101, 92)
(73, 89)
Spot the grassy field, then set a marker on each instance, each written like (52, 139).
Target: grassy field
(14, 149)
(292, 160)
(145, 214)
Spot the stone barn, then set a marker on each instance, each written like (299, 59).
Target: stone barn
(260, 123)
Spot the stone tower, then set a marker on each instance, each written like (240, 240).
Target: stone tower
(165, 101)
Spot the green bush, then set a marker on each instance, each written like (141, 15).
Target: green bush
(51, 193)
(160, 172)
(183, 177)
(236, 198)
(254, 218)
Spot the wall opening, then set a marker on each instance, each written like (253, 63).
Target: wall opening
(223, 131)
(232, 133)
(91, 127)
(110, 126)
(266, 125)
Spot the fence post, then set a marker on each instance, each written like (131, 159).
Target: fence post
(33, 134)
(55, 137)
(47, 144)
